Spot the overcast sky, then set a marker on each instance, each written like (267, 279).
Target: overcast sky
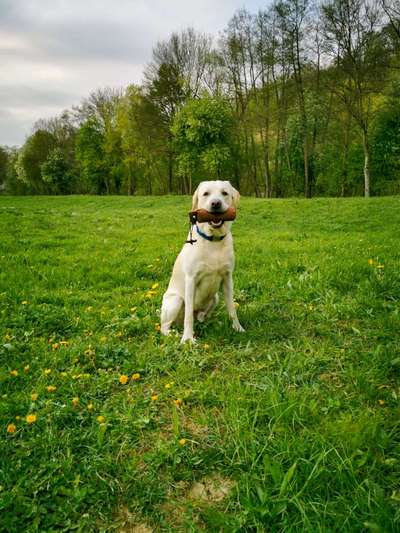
(53, 53)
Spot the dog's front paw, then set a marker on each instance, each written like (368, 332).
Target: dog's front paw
(238, 327)
(187, 338)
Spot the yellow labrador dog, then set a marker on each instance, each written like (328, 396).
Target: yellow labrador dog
(203, 266)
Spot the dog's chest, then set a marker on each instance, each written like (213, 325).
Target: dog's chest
(210, 272)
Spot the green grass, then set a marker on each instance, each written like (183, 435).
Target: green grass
(298, 418)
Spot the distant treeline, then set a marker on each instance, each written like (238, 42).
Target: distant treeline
(302, 98)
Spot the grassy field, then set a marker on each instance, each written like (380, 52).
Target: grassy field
(291, 426)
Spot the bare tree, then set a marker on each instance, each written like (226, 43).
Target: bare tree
(392, 10)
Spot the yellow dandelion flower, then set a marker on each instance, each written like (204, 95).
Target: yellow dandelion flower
(154, 397)
(182, 442)
(206, 346)
(90, 407)
(24, 302)
(100, 419)
(51, 388)
(75, 401)
(178, 402)
(17, 417)
(157, 327)
(371, 262)
(31, 418)
(155, 286)
(14, 373)
(168, 385)
(123, 379)
(89, 351)
(26, 368)
(11, 428)
(34, 396)
(133, 309)
(381, 402)
(47, 371)
(136, 377)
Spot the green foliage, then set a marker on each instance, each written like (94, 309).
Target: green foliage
(4, 160)
(31, 157)
(292, 426)
(386, 144)
(90, 156)
(55, 171)
(202, 134)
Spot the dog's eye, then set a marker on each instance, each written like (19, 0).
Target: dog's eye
(224, 193)
(206, 193)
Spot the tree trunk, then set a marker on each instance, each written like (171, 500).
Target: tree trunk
(307, 183)
(366, 164)
(170, 173)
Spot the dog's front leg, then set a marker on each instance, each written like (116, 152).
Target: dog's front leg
(189, 305)
(230, 305)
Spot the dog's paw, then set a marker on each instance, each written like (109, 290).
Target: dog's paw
(201, 316)
(188, 339)
(238, 327)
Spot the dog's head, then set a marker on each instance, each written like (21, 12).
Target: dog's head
(215, 197)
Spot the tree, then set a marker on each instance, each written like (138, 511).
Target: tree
(293, 19)
(90, 156)
(391, 9)
(4, 160)
(175, 74)
(99, 112)
(30, 158)
(360, 59)
(143, 142)
(386, 144)
(56, 172)
(202, 134)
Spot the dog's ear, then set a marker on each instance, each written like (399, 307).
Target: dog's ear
(195, 199)
(236, 197)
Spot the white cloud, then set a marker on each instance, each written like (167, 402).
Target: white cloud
(55, 52)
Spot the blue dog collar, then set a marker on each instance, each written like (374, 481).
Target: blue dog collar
(209, 237)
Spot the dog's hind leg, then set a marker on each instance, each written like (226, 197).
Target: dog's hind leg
(202, 315)
(171, 306)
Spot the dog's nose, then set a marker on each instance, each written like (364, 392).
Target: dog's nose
(216, 204)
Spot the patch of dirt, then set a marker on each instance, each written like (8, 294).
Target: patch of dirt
(212, 489)
(197, 430)
(131, 524)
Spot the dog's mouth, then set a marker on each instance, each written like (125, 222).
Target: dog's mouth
(216, 224)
